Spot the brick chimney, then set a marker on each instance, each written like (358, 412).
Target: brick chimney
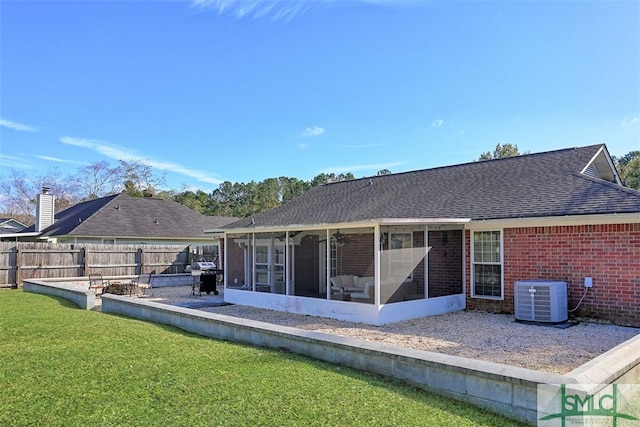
(45, 211)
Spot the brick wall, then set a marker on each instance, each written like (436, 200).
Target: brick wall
(356, 256)
(235, 263)
(307, 266)
(608, 253)
(445, 259)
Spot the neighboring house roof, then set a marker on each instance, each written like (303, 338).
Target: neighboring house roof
(575, 181)
(121, 215)
(10, 225)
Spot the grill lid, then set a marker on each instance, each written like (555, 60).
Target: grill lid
(205, 265)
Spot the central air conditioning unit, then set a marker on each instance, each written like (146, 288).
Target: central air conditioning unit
(541, 301)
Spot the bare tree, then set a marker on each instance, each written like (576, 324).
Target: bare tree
(18, 198)
(19, 193)
(98, 179)
(139, 178)
(63, 186)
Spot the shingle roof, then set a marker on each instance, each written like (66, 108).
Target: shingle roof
(121, 215)
(533, 185)
(10, 225)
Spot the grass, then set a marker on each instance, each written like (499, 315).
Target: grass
(60, 365)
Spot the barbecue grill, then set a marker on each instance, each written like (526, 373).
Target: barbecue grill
(209, 274)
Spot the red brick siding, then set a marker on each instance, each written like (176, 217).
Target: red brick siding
(356, 257)
(235, 263)
(608, 253)
(445, 260)
(307, 266)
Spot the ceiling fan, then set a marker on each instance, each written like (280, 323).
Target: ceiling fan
(292, 234)
(339, 238)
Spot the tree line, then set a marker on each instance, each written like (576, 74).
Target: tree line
(237, 199)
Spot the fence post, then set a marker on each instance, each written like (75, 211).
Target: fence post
(84, 254)
(141, 258)
(18, 269)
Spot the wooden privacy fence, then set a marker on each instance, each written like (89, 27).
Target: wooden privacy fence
(31, 260)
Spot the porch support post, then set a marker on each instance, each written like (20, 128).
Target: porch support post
(225, 266)
(426, 261)
(328, 264)
(376, 263)
(287, 262)
(252, 262)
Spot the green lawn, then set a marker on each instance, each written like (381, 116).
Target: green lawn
(62, 366)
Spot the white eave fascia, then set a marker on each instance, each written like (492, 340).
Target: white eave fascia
(614, 218)
(30, 234)
(299, 227)
(403, 221)
(214, 232)
(347, 225)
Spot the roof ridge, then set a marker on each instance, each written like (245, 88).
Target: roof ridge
(511, 158)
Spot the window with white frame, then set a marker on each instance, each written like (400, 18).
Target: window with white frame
(487, 264)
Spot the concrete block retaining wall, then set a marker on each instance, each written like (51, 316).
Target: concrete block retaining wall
(72, 289)
(83, 298)
(503, 389)
(179, 279)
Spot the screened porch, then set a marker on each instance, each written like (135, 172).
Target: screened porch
(361, 271)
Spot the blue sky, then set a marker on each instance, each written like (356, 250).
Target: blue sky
(224, 90)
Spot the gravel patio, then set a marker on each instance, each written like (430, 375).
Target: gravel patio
(478, 335)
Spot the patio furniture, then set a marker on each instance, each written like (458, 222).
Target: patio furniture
(349, 283)
(96, 282)
(367, 295)
(144, 282)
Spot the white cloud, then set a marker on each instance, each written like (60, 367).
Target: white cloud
(630, 121)
(437, 123)
(312, 131)
(14, 162)
(303, 146)
(121, 153)
(280, 10)
(106, 149)
(17, 126)
(275, 9)
(59, 160)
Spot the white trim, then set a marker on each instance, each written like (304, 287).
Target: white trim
(488, 224)
(28, 234)
(422, 221)
(492, 224)
(472, 270)
(376, 265)
(347, 225)
(590, 162)
(603, 152)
